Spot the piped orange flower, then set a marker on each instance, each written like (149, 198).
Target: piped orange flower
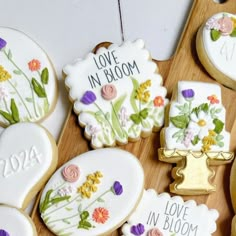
(100, 215)
(158, 101)
(213, 99)
(34, 65)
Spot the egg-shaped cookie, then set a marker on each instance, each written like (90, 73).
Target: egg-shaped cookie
(28, 83)
(92, 194)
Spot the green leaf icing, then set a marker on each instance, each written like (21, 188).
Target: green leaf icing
(14, 110)
(7, 116)
(180, 121)
(44, 76)
(195, 140)
(219, 125)
(38, 89)
(233, 34)
(215, 34)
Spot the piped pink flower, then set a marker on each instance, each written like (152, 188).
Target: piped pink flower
(226, 25)
(109, 92)
(34, 65)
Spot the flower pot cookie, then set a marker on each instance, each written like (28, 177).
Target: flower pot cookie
(216, 48)
(163, 215)
(91, 194)
(15, 222)
(117, 94)
(28, 156)
(195, 137)
(28, 84)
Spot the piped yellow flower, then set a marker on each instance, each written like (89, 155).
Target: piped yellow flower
(208, 141)
(89, 186)
(4, 75)
(142, 94)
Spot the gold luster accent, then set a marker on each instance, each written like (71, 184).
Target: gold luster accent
(192, 174)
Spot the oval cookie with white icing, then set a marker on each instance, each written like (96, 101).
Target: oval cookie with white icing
(117, 94)
(15, 222)
(93, 194)
(216, 48)
(28, 156)
(28, 84)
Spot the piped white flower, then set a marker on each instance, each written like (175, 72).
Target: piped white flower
(201, 123)
(3, 93)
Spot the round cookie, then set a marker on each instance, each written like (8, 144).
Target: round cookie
(216, 48)
(117, 94)
(28, 156)
(15, 222)
(28, 83)
(92, 194)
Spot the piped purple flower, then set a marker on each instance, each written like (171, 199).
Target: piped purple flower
(88, 98)
(4, 233)
(3, 43)
(188, 94)
(137, 229)
(117, 188)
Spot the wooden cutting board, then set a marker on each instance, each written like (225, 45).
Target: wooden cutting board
(183, 66)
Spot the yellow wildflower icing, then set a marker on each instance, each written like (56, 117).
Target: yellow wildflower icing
(89, 186)
(4, 75)
(208, 141)
(142, 94)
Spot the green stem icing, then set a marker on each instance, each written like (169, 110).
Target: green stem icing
(26, 77)
(22, 100)
(65, 205)
(5, 103)
(190, 107)
(77, 214)
(109, 123)
(121, 128)
(109, 190)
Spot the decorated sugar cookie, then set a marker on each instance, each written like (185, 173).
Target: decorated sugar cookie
(216, 48)
(195, 137)
(91, 194)
(163, 215)
(117, 94)
(28, 84)
(15, 222)
(28, 156)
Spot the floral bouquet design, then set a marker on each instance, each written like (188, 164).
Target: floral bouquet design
(195, 137)
(65, 197)
(27, 88)
(225, 26)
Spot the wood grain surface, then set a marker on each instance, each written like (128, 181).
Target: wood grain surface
(183, 66)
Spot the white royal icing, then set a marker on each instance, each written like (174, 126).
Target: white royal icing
(105, 210)
(119, 117)
(22, 83)
(164, 215)
(15, 222)
(26, 154)
(190, 120)
(222, 52)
